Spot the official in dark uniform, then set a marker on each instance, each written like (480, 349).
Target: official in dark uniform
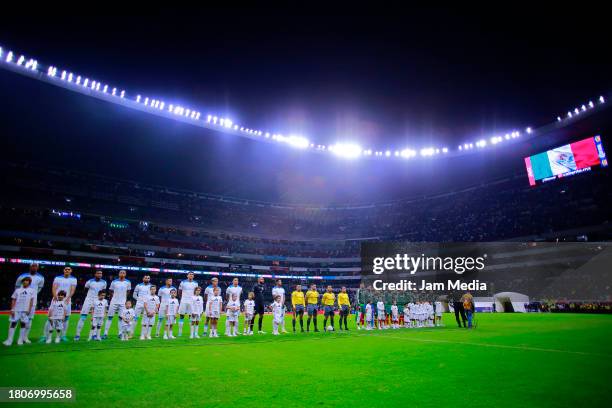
(258, 290)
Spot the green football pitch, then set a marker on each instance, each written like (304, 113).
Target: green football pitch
(520, 360)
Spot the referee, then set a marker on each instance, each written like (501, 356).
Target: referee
(258, 290)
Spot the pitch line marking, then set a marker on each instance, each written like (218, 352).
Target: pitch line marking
(527, 348)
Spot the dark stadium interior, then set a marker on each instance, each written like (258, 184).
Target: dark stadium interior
(151, 192)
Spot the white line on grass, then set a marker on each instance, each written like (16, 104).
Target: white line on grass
(526, 348)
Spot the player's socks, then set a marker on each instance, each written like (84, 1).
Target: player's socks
(109, 321)
(11, 335)
(159, 325)
(180, 332)
(80, 325)
(205, 328)
(65, 329)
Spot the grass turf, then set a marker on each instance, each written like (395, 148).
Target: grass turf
(509, 360)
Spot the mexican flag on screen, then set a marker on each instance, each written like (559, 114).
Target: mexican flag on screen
(563, 159)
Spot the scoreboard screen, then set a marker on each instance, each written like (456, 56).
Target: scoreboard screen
(566, 160)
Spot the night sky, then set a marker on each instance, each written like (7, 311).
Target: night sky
(427, 77)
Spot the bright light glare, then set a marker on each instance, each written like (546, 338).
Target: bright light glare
(346, 150)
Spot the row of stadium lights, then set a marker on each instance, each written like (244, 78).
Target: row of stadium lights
(583, 108)
(344, 150)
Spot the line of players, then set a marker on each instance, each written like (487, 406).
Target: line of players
(167, 303)
(415, 315)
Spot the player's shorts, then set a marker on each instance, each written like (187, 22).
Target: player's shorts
(278, 320)
(214, 314)
(23, 317)
(57, 324)
(381, 315)
(259, 308)
(395, 318)
(185, 308)
(431, 316)
(439, 314)
(162, 310)
(368, 317)
(329, 310)
(87, 304)
(196, 316)
(170, 319)
(312, 309)
(344, 309)
(139, 308)
(123, 326)
(115, 308)
(232, 318)
(148, 320)
(299, 309)
(248, 316)
(361, 318)
(97, 321)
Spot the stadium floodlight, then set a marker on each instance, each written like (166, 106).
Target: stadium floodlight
(558, 118)
(602, 99)
(137, 98)
(408, 153)
(445, 150)
(428, 151)
(528, 130)
(298, 142)
(346, 150)
(583, 108)
(122, 94)
(9, 56)
(591, 105)
(20, 60)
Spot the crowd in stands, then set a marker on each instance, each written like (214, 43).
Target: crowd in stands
(503, 209)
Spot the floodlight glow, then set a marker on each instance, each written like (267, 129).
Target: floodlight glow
(298, 142)
(346, 150)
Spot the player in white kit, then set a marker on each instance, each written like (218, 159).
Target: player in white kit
(278, 313)
(98, 311)
(394, 315)
(186, 291)
(93, 286)
(380, 312)
(119, 290)
(197, 308)
(126, 321)
(57, 316)
(164, 298)
(278, 290)
(151, 307)
(171, 310)
(21, 304)
(38, 281)
(141, 293)
(249, 313)
(233, 289)
(214, 307)
(369, 315)
(439, 311)
(68, 284)
(232, 312)
(208, 294)
(406, 312)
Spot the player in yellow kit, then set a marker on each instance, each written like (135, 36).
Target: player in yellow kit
(299, 304)
(344, 304)
(328, 300)
(312, 301)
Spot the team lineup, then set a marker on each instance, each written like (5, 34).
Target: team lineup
(162, 308)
